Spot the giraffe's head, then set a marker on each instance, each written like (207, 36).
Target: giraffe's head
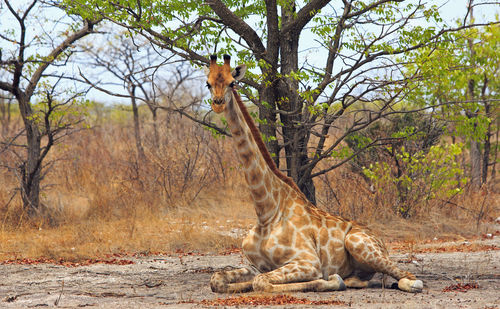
(221, 81)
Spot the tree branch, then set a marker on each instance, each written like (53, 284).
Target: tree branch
(370, 7)
(273, 32)
(305, 15)
(6, 86)
(35, 78)
(236, 24)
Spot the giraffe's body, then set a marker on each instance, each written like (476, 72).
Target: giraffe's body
(295, 246)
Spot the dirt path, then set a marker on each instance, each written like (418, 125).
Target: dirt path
(166, 281)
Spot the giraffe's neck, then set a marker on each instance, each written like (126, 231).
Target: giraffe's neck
(266, 188)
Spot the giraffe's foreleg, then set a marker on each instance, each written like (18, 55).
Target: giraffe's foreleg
(233, 281)
(296, 277)
(370, 254)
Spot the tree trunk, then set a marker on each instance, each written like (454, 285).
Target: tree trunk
(495, 154)
(31, 173)
(5, 107)
(156, 136)
(475, 163)
(137, 128)
(268, 127)
(269, 92)
(475, 151)
(31, 167)
(486, 156)
(295, 134)
(489, 134)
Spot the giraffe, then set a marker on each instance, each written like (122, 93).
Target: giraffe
(294, 246)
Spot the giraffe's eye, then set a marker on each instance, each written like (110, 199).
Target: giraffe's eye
(208, 85)
(231, 85)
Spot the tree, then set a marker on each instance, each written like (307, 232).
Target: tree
(147, 77)
(6, 114)
(411, 167)
(133, 65)
(26, 76)
(459, 79)
(299, 98)
(415, 132)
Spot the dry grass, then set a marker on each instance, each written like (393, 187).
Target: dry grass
(146, 234)
(187, 195)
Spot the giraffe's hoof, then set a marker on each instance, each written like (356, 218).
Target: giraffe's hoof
(342, 286)
(412, 286)
(417, 286)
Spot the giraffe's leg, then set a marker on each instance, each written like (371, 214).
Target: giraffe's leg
(232, 281)
(370, 254)
(359, 278)
(297, 277)
(356, 282)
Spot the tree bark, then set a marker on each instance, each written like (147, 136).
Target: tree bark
(489, 134)
(295, 134)
(270, 71)
(475, 163)
(137, 125)
(475, 151)
(31, 173)
(31, 167)
(156, 135)
(5, 107)
(495, 154)
(268, 127)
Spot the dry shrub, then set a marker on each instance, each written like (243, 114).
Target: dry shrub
(347, 194)
(102, 198)
(184, 166)
(102, 177)
(186, 194)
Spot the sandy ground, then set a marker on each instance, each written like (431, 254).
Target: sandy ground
(168, 281)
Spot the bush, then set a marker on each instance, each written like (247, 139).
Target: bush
(422, 176)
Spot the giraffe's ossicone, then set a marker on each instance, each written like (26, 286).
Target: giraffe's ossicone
(294, 246)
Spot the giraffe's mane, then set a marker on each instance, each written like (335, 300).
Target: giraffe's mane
(262, 147)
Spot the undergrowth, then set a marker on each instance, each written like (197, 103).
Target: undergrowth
(187, 194)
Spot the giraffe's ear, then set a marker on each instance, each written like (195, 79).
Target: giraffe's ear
(206, 70)
(239, 72)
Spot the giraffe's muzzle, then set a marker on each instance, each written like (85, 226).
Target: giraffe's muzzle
(218, 101)
(218, 105)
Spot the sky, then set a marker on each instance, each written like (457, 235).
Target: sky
(453, 9)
